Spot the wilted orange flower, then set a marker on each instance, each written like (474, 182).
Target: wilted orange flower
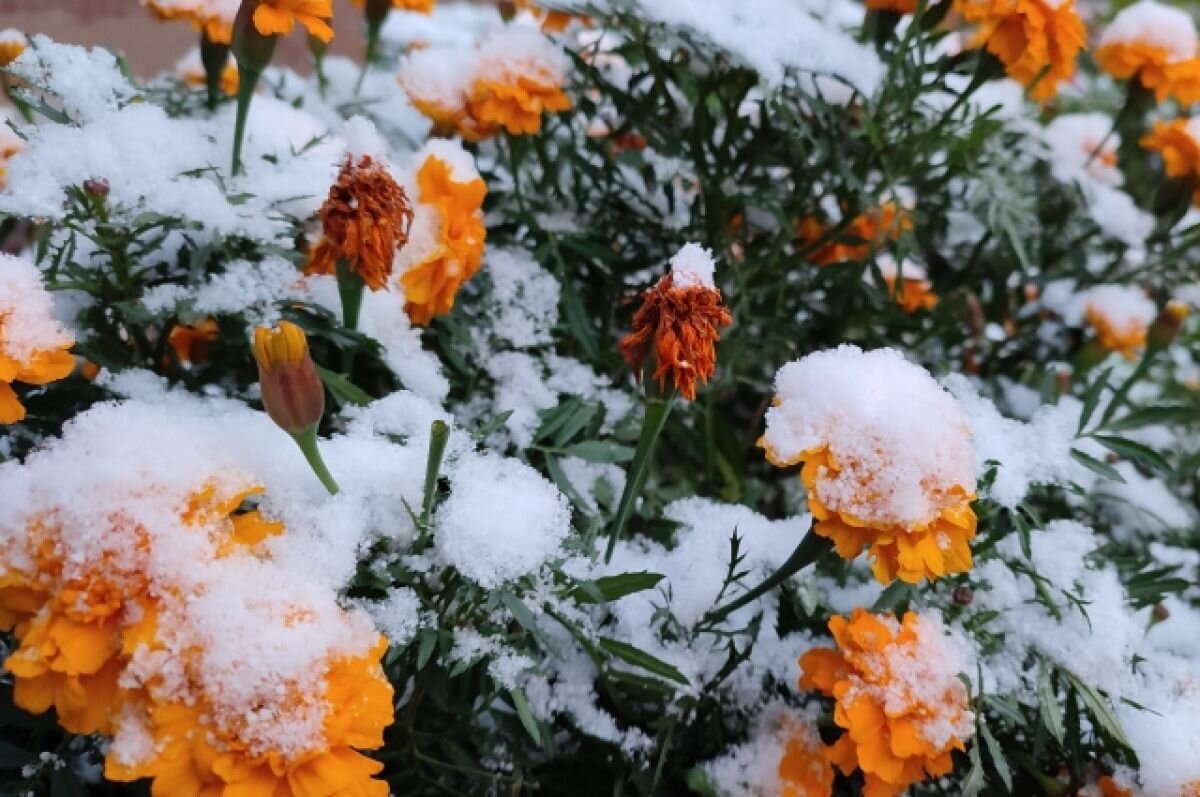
(1036, 40)
(420, 6)
(431, 283)
(864, 233)
(804, 769)
(681, 318)
(12, 44)
(365, 220)
(190, 341)
(1178, 141)
(193, 756)
(1156, 43)
(278, 17)
(899, 698)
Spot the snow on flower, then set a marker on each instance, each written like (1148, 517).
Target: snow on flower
(887, 457)
(33, 344)
(1037, 40)
(1121, 317)
(1157, 44)
(213, 17)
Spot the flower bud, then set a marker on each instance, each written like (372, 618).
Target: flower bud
(292, 393)
(252, 49)
(1166, 327)
(96, 187)
(963, 595)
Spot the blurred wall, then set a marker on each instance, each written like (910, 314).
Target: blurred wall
(150, 46)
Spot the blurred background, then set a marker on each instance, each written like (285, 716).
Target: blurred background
(150, 46)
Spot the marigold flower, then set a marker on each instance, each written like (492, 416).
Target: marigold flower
(12, 44)
(365, 220)
(292, 393)
(864, 233)
(213, 17)
(1121, 316)
(191, 69)
(419, 6)
(915, 292)
(887, 460)
(681, 317)
(519, 77)
(278, 17)
(899, 697)
(804, 769)
(898, 6)
(1157, 44)
(1105, 786)
(449, 217)
(552, 21)
(190, 342)
(1036, 40)
(1178, 142)
(33, 345)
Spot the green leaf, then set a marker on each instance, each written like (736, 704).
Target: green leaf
(1136, 451)
(973, 784)
(697, 781)
(610, 588)
(1097, 466)
(1099, 709)
(893, 596)
(524, 616)
(490, 426)
(1091, 399)
(599, 451)
(429, 638)
(1150, 416)
(576, 423)
(345, 391)
(640, 658)
(525, 715)
(1048, 708)
(996, 754)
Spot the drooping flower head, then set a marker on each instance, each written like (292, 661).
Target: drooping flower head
(862, 234)
(12, 44)
(292, 393)
(899, 697)
(1178, 142)
(907, 284)
(519, 77)
(680, 321)
(279, 17)
(364, 221)
(213, 17)
(1158, 45)
(887, 459)
(448, 234)
(1121, 316)
(33, 345)
(1036, 40)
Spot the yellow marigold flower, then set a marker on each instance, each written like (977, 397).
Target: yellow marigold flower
(419, 6)
(804, 769)
(278, 17)
(365, 219)
(292, 392)
(1121, 316)
(899, 697)
(519, 77)
(681, 318)
(1157, 44)
(887, 460)
(190, 342)
(33, 345)
(450, 210)
(1178, 142)
(863, 234)
(1036, 40)
(914, 292)
(193, 755)
(12, 44)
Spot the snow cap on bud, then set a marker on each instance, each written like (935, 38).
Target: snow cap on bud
(292, 393)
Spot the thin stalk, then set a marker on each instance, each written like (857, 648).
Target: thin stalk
(810, 549)
(657, 410)
(377, 11)
(350, 289)
(439, 435)
(247, 83)
(307, 441)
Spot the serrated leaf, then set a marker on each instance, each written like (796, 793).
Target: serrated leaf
(1097, 466)
(610, 588)
(525, 715)
(640, 658)
(1136, 451)
(600, 451)
(1048, 708)
(345, 391)
(1099, 709)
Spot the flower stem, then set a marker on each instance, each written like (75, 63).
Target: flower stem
(307, 440)
(810, 549)
(439, 435)
(350, 289)
(247, 82)
(214, 57)
(657, 410)
(377, 11)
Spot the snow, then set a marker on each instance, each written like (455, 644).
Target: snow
(27, 321)
(1126, 308)
(524, 298)
(1156, 24)
(87, 82)
(693, 266)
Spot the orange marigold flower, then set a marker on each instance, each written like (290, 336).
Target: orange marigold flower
(278, 17)
(1156, 43)
(419, 6)
(519, 77)
(12, 44)
(365, 220)
(914, 291)
(681, 317)
(1121, 316)
(213, 17)
(887, 460)
(1036, 40)
(899, 697)
(899, 6)
(450, 197)
(804, 769)
(1105, 786)
(1178, 142)
(33, 345)
(190, 342)
(864, 233)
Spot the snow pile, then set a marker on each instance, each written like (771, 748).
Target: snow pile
(524, 299)
(692, 266)
(901, 441)
(27, 321)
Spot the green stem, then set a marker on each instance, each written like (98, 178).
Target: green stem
(439, 435)
(350, 289)
(307, 440)
(214, 57)
(810, 549)
(657, 410)
(1122, 392)
(377, 11)
(247, 83)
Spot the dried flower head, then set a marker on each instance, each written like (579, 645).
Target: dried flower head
(1158, 45)
(365, 220)
(887, 460)
(1036, 40)
(899, 697)
(681, 318)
